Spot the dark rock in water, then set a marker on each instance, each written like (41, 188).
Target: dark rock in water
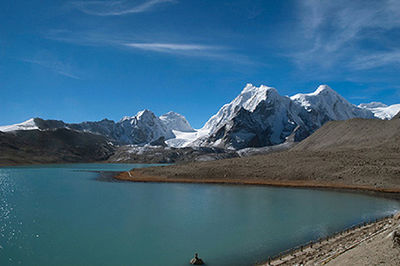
(196, 260)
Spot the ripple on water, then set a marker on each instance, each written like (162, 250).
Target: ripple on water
(9, 225)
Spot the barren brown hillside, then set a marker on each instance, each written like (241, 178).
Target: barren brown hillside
(354, 134)
(355, 154)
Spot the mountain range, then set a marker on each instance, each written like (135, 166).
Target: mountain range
(257, 117)
(355, 153)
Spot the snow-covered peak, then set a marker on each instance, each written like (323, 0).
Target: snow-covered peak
(175, 121)
(372, 105)
(27, 125)
(125, 118)
(145, 114)
(324, 89)
(250, 97)
(142, 128)
(322, 93)
(380, 110)
(326, 102)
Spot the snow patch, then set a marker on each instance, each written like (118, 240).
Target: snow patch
(186, 139)
(382, 111)
(27, 125)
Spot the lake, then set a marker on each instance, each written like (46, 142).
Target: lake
(67, 215)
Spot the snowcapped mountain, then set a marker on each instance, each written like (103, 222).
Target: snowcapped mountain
(248, 99)
(143, 128)
(326, 104)
(27, 125)
(381, 110)
(175, 121)
(259, 116)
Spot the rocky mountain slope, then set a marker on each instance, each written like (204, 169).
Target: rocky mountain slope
(259, 116)
(160, 154)
(359, 153)
(143, 128)
(175, 121)
(53, 146)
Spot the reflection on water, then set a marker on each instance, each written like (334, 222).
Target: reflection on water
(7, 188)
(59, 215)
(10, 226)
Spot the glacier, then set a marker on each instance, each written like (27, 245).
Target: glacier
(381, 110)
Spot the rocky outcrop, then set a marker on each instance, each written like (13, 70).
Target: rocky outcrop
(396, 239)
(196, 260)
(161, 154)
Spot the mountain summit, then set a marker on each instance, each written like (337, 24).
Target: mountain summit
(175, 121)
(258, 116)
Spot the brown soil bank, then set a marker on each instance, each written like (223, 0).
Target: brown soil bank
(357, 153)
(371, 244)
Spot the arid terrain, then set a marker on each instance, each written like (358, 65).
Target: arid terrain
(369, 244)
(356, 153)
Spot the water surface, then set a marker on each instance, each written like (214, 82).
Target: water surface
(62, 215)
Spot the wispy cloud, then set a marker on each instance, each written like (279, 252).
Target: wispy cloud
(376, 60)
(131, 42)
(55, 66)
(350, 34)
(171, 47)
(211, 52)
(116, 8)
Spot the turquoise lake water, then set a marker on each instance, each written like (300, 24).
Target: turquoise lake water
(67, 215)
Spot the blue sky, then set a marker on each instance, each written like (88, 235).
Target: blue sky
(89, 60)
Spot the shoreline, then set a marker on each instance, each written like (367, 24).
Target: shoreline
(335, 249)
(136, 175)
(55, 163)
(332, 249)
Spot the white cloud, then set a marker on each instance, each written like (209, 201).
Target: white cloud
(129, 41)
(116, 8)
(170, 47)
(337, 33)
(376, 60)
(210, 52)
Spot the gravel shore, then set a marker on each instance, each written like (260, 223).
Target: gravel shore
(369, 244)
